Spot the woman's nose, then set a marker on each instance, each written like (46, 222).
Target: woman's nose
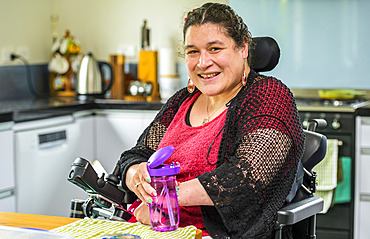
(204, 60)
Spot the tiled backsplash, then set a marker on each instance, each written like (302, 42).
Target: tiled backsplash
(14, 81)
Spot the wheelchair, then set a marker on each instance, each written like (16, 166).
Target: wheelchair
(109, 201)
(301, 210)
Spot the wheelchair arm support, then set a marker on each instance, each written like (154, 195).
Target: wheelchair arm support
(300, 210)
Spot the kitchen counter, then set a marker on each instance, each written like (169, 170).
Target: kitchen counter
(32, 109)
(33, 221)
(364, 111)
(43, 222)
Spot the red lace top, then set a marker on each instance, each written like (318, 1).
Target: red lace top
(260, 146)
(193, 158)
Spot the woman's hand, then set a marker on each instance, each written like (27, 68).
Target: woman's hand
(138, 181)
(141, 214)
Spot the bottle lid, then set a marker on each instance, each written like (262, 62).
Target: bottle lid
(155, 163)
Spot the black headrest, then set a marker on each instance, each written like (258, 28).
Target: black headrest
(266, 54)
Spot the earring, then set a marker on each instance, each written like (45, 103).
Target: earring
(244, 79)
(190, 86)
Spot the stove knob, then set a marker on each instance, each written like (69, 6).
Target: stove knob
(306, 120)
(335, 124)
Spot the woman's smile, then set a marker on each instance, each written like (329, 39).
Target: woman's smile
(208, 76)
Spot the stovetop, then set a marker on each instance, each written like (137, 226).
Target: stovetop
(310, 100)
(322, 105)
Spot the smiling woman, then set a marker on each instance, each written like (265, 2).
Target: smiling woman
(236, 134)
(215, 65)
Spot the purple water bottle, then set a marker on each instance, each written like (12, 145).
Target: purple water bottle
(164, 210)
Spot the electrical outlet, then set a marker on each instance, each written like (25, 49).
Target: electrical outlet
(5, 54)
(23, 51)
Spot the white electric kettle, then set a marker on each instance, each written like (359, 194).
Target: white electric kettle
(90, 81)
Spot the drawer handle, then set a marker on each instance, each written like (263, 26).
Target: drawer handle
(53, 139)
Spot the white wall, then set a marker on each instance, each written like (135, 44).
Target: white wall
(324, 43)
(101, 26)
(26, 24)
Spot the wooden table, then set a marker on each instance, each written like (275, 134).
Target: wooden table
(43, 222)
(33, 221)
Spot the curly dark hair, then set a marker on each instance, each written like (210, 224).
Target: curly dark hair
(225, 16)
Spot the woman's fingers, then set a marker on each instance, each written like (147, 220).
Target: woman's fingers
(144, 172)
(142, 192)
(149, 189)
(142, 187)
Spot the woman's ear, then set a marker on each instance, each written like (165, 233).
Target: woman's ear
(245, 50)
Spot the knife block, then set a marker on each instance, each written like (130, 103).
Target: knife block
(147, 70)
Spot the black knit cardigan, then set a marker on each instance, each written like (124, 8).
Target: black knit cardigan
(262, 142)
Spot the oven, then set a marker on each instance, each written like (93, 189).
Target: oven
(340, 116)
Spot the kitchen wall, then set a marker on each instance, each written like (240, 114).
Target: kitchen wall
(324, 43)
(25, 24)
(103, 27)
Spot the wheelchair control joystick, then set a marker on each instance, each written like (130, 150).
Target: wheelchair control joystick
(113, 177)
(106, 198)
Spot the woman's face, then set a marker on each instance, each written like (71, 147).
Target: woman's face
(215, 64)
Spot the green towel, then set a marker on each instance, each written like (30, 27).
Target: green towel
(343, 191)
(95, 229)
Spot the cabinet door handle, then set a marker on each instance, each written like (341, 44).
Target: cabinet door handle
(51, 140)
(365, 151)
(365, 121)
(6, 193)
(365, 197)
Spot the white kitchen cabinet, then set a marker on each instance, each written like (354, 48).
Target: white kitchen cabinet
(364, 177)
(85, 125)
(365, 132)
(7, 197)
(118, 130)
(364, 219)
(44, 152)
(362, 182)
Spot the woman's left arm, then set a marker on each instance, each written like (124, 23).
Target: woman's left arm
(192, 193)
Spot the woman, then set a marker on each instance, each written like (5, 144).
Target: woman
(237, 134)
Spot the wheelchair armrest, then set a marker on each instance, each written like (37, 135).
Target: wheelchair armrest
(300, 210)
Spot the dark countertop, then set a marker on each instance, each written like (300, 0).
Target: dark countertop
(32, 109)
(363, 111)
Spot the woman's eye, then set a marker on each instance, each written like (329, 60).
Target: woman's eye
(191, 52)
(215, 49)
